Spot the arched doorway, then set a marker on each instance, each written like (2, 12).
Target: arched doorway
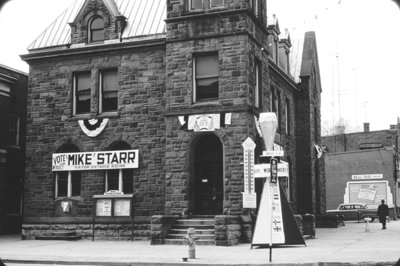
(207, 176)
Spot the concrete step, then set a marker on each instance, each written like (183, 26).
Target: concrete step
(211, 217)
(195, 222)
(182, 236)
(204, 228)
(168, 241)
(198, 231)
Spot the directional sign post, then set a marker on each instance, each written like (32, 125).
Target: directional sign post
(249, 195)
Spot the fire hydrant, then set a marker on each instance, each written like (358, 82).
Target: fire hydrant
(191, 240)
(367, 220)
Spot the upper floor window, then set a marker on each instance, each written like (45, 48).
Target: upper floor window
(108, 90)
(68, 183)
(14, 130)
(256, 7)
(5, 89)
(287, 115)
(205, 78)
(273, 101)
(258, 84)
(96, 30)
(81, 94)
(279, 110)
(204, 4)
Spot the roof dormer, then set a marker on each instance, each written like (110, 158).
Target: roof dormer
(96, 22)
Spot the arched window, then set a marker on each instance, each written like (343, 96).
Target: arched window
(68, 183)
(96, 30)
(119, 179)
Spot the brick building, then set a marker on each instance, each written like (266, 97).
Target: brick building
(13, 91)
(362, 167)
(177, 83)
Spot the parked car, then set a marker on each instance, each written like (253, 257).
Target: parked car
(354, 211)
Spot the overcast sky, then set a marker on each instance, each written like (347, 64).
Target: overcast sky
(358, 46)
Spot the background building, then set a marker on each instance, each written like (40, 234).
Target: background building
(13, 90)
(181, 90)
(362, 167)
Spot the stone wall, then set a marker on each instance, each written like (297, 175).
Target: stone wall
(160, 226)
(355, 141)
(227, 230)
(105, 229)
(139, 122)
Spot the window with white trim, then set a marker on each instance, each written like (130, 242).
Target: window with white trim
(205, 4)
(68, 183)
(256, 7)
(81, 93)
(279, 110)
(119, 179)
(14, 130)
(96, 30)
(108, 92)
(5, 89)
(287, 115)
(258, 84)
(205, 87)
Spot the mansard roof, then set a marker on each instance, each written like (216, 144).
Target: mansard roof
(145, 18)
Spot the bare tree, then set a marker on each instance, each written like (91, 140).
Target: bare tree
(342, 126)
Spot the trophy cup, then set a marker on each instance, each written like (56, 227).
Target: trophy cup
(268, 124)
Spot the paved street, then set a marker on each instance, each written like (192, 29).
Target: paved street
(333, 246)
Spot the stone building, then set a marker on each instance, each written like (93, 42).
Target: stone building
(13, 90)
(363, 167)
(178, 84)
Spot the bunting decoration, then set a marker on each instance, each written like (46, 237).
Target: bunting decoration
(93, 127)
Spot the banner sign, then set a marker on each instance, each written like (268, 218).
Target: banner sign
(263, 170)
(78, 161)
(206, 122)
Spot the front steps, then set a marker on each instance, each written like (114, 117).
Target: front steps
(59, 235)
(203, 225)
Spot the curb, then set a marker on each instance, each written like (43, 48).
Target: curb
(104, 263)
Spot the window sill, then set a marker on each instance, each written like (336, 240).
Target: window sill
(80, 116)
(76, 198)
(206, 104)
(204, 10)
(15, 147)
(113, 114)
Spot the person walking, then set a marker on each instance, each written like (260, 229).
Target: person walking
(383, 212)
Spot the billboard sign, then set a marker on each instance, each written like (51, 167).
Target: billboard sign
(103, 160)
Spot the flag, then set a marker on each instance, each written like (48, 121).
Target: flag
(319, 150)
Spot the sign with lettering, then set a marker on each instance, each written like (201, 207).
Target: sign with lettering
(78, 161)
(103, 207)
(249, 195)
(122, 207)
(249, 200)
(368, 176)
(274, 170)
(263, 170)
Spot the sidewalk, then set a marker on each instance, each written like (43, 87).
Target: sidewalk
(346, 245)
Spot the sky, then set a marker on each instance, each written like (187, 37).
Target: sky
(357, 41)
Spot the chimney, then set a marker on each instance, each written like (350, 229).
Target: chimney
(366, 127)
